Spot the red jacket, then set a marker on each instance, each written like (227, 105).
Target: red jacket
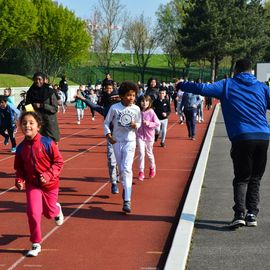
(38, 156)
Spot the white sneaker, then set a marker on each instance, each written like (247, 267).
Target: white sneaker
(59, 220)
(93, 118)
(78, 122)
(36, 248)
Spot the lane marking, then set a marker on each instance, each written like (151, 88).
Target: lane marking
(155, 252)
(76, 133)
(3, 192)
(77, 209)
(66, 219)
(100, 143)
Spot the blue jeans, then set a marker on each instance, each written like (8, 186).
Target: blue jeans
(191, 121)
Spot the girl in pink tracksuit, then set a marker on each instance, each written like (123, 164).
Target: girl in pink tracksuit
(146, 136)
(38, 164)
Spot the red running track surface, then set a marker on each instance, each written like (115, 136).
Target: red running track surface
(96, 234)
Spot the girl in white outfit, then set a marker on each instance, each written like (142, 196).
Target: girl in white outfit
(125, 117)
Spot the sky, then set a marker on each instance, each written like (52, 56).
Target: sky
(83, 8)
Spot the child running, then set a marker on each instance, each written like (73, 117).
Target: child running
(38, 163)
(162, 109)
(79, 105)
(146, 136)
(125, 118)
(8, 116)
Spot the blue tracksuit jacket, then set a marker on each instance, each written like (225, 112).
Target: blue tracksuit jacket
(244, 102)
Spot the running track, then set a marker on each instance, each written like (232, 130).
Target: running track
(96, 234)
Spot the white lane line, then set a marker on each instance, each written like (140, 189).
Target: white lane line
(76, 133)
(87, 150)
(66, 219)
(3, 192)
(100, 143)
(74, 212)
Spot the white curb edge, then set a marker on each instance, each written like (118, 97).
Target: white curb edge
(179, 251)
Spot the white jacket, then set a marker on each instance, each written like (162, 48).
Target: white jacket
(120, 117)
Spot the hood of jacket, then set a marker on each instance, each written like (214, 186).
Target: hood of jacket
(246, 78)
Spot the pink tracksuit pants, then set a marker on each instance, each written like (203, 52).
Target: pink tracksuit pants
(40, 202)
(145, 147)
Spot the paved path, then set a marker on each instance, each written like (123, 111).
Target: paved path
(213, 245)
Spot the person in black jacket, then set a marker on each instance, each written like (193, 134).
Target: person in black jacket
(162, 109)
(44, 101)
(152, 88)
(63, 85)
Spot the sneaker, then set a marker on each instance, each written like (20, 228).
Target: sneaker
(13, 150)
(192, 138)
(238, 221)
(162, 144)
(6, 140)
(127, 207)
(33, 252)
(152, 172)
(78, 122)
(93, 118)
(114, 188)
(141, 176)
(59, 220)
(251, 220)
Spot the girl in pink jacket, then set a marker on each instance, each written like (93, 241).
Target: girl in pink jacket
(146, 136)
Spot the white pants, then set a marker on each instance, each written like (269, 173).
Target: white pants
(163, 129)
(124, 154)
(80, 113)
(145, 147)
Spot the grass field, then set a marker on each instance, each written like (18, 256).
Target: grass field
(12, 80)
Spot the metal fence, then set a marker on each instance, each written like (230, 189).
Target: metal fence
(96, 74)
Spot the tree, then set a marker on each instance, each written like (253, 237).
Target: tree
(17, 23)
(60, 38)
(142, 40)
(205, 31)
(108, 31)
(249, 35)
(169, 20)
(267, 15)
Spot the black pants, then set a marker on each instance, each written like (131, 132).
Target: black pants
(249, 160)
(9, 135)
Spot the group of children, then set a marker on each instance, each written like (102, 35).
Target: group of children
(130, 120)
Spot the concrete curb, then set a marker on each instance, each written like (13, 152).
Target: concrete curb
(179, 251)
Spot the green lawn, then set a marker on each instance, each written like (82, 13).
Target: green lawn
(12, 80)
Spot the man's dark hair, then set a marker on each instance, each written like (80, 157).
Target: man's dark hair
(126, 86)
(243, 65)
(39, 74)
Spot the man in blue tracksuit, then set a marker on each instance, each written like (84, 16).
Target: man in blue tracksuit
(244, 102)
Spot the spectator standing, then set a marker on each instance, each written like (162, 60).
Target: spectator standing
(44, 100)
(244, 102)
